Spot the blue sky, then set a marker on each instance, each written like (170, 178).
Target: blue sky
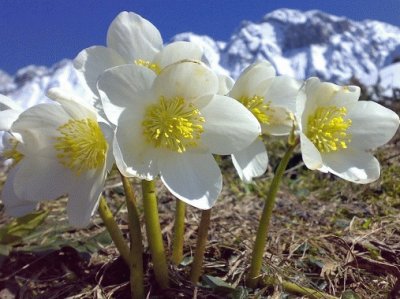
(43, 32)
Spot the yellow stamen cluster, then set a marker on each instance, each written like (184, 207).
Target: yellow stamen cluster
(258, 107)
(12, 152)
(153, 66)
(173, 124)
(81, 146)
(327, 128)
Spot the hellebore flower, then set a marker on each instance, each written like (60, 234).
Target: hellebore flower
(132, 39)
(272, 100)
(337, 131)
(62, 150)
(172, 124)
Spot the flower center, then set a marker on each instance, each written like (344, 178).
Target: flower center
(173, 124)
(153, 66)
(327, 129)
(257, 106)
(81, 146)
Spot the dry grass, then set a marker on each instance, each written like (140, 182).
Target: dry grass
(326, 234)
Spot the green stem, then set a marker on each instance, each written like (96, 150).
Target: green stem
(296, 289)
(113, 229)
(261, 237)
(200, 246)
(153, 231)
(136, 242)
(179, 231)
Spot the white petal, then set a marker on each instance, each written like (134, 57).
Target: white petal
(311, 156)
(124, 86)
(7, 117)
(75, 107)
(7, 103)
(372, 125)
(250, 78)
(134, 37)
(354, 166)
(133, 155)
(93, 61)
(40, 179)
(83, 199)
(193, 178)
(177, 51)
(346, 95)
(252, 161)
(229, 127)
(283, 92)
(15, 206)
(189, 80)
(280, 122)
(225, 84)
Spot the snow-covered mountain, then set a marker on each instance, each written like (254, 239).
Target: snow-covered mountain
(299, 44)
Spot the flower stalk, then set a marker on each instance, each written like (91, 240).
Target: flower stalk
(179, 230)
(261, 237)
(113, 229)
(153, 232)
(200, 246)
(136, 242)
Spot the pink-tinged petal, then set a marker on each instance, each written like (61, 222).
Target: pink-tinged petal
(251, 162)
(134, 37)
(194, 178)
(93, 61)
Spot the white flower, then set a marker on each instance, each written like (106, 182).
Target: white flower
(172, 124)
(272, 100)
(132, 39)
(62, 150)
(337, 131)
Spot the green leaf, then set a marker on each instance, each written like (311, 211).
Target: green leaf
(240, 293)
(217, 284)
(21, 227)
(349, 294)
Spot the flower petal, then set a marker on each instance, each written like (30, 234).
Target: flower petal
(225, 84)
(251, 77)
(188, 79)
(15, 206)
(83, 199)
(124, 86)
(7, 117)
(177, 51)
(134, 37)
(6, 103)
(133, 155)
(353, 165)
(311, 156)
(283, 92)
(252, 161)
(93, 61)
(372, 125)
(41, 178)
(194, 178)
(229, 127)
